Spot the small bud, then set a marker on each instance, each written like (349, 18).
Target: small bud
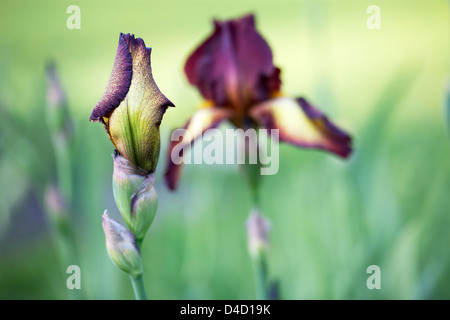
(121, 246)
(55, 94)
(144, 203)
(135, 195)
(257, 230)
(55, 203)
(59, 119)
(126, 179)
(58, 210)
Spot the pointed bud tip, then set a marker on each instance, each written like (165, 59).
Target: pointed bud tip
(258, 228)
(121, 246)
(105, 215)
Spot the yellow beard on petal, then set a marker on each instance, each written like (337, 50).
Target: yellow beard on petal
(206, 104)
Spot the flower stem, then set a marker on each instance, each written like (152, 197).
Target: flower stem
(251, 173)
(138, 282)
(138, 287)
(260, 267)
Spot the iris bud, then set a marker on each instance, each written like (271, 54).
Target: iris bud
(135, 195)
(121, 246)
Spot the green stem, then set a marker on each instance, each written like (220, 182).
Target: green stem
(138, 287)
(65, 229)
(139, 244)
(260, 267)
(138, 282)
(64, 240)
(252, 175)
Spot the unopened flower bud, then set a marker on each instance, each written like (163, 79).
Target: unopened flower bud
(144, 203)
(55, 203)
(58, 211)
(257, 233)
(55, 93)
(59, 119)
(135, 195)
(126, 178)
(121, 246)
(132, 106)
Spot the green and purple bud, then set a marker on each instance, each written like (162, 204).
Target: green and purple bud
(59, 119)
(56, 206)
(121, 246)
(132, 106)
(258, 241)
(257, 233)
(60, 126)
(135, 195)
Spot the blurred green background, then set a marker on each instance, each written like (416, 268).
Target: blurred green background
(331, 219)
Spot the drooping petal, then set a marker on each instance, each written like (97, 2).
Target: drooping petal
(118, 84)
(133, 125)
(303, 125)
(234, 65)
(182, 139)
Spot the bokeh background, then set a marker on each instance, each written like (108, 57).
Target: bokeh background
(388, 205)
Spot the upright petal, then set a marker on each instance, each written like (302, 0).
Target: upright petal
(303, 125)
(255, 61)
(234, 67)
(182, 139)
(118, 84)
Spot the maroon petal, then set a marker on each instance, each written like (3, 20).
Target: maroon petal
(234, 65)
(255, 61)
(202, 120)
(303, 125)
(118, 84)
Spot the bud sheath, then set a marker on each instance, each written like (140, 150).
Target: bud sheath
(135, 195)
